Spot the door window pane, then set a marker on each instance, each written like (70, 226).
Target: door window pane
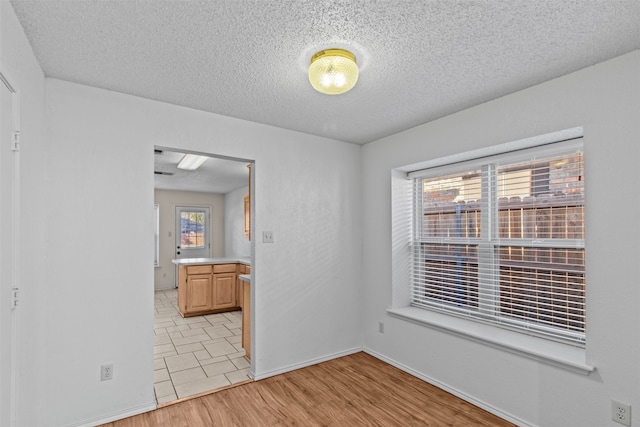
(192, 229)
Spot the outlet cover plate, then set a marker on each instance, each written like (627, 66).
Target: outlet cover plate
(621, 413)
(267, 237)
(106, 372)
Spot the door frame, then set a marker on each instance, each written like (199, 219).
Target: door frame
(8, 300)
(252, 192)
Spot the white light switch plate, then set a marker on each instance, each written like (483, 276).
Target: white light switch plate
(267, 237)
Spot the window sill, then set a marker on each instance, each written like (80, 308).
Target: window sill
(552, 353)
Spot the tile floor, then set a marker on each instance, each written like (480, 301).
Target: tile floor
(195, 354)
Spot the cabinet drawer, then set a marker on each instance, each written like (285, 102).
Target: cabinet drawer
(224, 268)
(198, 269)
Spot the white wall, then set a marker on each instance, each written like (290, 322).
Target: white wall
(100, 298)
(605, 100)
(18, 64)
(82, 307)
(236, 244)
(164, 275)
(99, 263)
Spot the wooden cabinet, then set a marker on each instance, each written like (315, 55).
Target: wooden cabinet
(198, 293)
(239, 287)
(224, 290)
(246, 318)
(247, 217)
(215, 288)
(242, 269)
(195, 292)
(205, 289)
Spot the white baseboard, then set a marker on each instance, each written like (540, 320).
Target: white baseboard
(464, 396)
(117, 416)
(468, 398)
(285, 369)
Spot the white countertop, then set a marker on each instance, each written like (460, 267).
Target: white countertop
(200, 261)
(245, 277)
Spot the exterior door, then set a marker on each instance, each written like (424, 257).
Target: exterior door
(8, 224)
(192, 232)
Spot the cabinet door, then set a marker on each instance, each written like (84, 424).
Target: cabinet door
(224, 290)
(239, 293)
(246, 319)
(199, 292)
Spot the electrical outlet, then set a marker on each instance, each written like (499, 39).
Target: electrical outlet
(621, 413)
(106, 372)
(381, 327)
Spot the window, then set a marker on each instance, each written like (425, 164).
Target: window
(192, 225)
(500, 240)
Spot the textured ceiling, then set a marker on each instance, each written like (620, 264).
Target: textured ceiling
(214, 176)
(419, 60)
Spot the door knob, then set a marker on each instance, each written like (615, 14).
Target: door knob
(178, 253)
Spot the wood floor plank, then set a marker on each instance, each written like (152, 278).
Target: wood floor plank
(356, 390)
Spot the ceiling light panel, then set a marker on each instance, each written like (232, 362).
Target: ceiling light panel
(191, 162)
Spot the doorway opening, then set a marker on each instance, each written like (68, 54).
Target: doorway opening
(201, 219)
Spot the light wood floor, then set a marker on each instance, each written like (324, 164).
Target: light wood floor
(354, 390)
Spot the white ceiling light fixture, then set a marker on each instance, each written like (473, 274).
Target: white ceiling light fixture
(191, 162)
(333, 71)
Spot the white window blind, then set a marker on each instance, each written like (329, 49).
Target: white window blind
(501, 240)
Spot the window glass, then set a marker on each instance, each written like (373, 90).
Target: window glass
(192, 229)
(504, 243)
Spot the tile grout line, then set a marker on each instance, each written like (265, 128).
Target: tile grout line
(227, 320)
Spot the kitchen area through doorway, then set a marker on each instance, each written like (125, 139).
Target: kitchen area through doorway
(202, 274)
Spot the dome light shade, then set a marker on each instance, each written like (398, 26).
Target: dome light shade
(333, 71)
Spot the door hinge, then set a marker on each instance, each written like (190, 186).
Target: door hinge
(15, 298)
(15, 141)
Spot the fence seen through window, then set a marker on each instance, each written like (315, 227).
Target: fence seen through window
(527, 268)
(192, 229)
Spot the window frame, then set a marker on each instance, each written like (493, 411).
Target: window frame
(489, 243)
(559, 354)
